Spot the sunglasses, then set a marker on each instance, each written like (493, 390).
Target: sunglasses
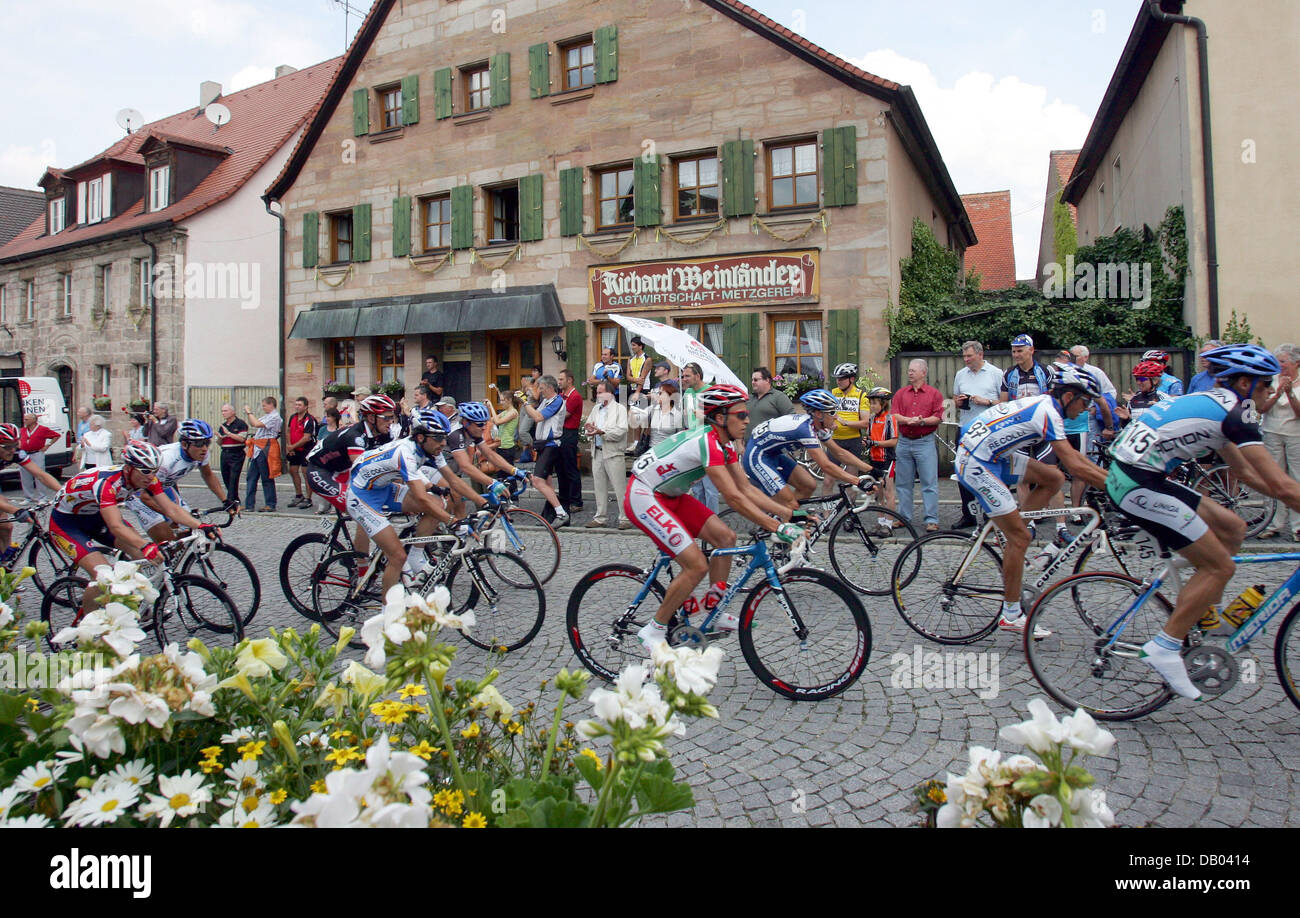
(742, 415)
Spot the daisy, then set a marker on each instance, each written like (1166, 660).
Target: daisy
(261, 818)
(137, 772)
(38, 777)
(8, 797)
(102, 807)
(182, 795)
(237, 735)
(35, 821)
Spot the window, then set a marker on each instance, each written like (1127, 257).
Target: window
(478, 87)
(340, 237)
(390, 103)
(615, 336)
(143, 379)
(103, 375)
(56, 216)
(503, 207)
(797, 345)
(66, 283)
(343, 361)
(579, 57)
(1101, 210)
(94, 200)
(390, 355)
(4, 311)
(706, 331)
(29, 300)
(792, 174)
(104, 293)
(614, 199)
(159, 187)
(697, 186)
(144, 280)
(437, 222)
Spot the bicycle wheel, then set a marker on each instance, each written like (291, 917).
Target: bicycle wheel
(604, 616)
(503, 593)
(230, 569)
(864, 545)
(530, 537)
(742, 526)
(337, 602)
(49, 563)
(937, 606)
(59, 607)
(1079, 665)
(831, 653)
(1136, 553)
(1286, 654)
(813, 468)
(1222, 485)
(300, 559)
(192, 606)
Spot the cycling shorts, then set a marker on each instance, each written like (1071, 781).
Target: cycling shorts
(78, 535)
(882, 470)
(370, 508)
(147, 516)
(991, 482)
(332, 486)
(1047, 455)
(672, 523)
(1162, 507)
(770, 472)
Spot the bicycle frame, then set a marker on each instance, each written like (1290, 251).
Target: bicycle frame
(1080, 541)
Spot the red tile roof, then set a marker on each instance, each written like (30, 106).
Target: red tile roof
(263, 118)
(994, 257)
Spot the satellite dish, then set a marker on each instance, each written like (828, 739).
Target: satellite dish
(129, 120)
(217, 113)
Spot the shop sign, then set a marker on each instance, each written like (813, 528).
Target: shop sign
(754, 279)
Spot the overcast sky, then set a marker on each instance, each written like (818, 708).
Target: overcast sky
(1001, 82)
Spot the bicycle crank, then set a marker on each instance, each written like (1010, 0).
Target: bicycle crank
(687, 635)
(1211, 669)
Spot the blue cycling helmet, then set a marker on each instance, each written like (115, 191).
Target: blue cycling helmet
(429, 421)
(1065, 376)
(474, 412)
(819, 400)
(1241, 360)
(1022, 341)
(195, 429)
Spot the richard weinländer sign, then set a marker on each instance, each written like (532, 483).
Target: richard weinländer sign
(756, 279)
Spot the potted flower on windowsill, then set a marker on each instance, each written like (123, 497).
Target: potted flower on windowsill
(138, 404)
(338, 390)
(393, 389)
(102, 402)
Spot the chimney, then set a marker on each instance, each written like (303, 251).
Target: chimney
(284, 70)
(209, 91)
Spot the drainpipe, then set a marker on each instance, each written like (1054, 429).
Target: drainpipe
(280, 297)
(1211, 235)
(153, 322)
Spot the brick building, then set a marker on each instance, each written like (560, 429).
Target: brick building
(486, 182)
(994, 256)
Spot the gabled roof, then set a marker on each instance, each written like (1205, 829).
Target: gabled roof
(158, 138)
(18, 208)
(263, 118)
(994, 257)
(908, 120)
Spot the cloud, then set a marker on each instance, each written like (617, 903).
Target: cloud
(249, 76)
(21, 167)
(994, 132)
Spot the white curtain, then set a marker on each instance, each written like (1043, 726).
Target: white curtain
(609, 337)
(712, 336)
(812, 332)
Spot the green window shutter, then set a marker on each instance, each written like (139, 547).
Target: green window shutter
(411, 99)
(442, 93)
(539, 70)
(645, 191)
(740, 342)
(462, 216)
(737, 178)
(361, 232)
(499, 72)
(530, 208)
(607, 54)
(360, 112)
(401, 227)
(840, 156)
(842, 342)
(311, 239)
(575, 336)
(571, 202)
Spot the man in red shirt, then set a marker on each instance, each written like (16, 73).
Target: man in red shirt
(32, 440)
(570, 479)
(302, 437)
(918, 408)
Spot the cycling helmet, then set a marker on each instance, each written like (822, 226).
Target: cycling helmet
(1149, 369)
(846, 369)
(9, 433)
(1241, 360)
(377, 404)
(142, 455)
(474, 412)
(429, 421)
(1157, 355)
(819, 400)
(721, 395)
(195, 429)
(1068, 377)
(881, 393)
(1022, 341)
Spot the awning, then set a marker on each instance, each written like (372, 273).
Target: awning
(381, 320)
(535, 306)
(318, 322)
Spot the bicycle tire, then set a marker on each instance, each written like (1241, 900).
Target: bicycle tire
(48, 561)
(863, 552)
(931, 608)
(836, 624)
(508, 620)
(1255, 510)
(230, 569)
(1136, 557)
(1073, 665)
(59, 606)
(815, 470)
(333, 603)
(593, 620)
(298, 562)
(202, 609)
(538, 543)
(1286, 654)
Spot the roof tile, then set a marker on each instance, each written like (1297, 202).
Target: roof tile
(994, 257)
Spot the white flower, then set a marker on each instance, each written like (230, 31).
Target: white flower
(8, 797)
(35, 821)
(365, 682)
(137, 772)
(984, 763)
(692, 670)
(245, 776)
(137, 706)
(256, 658)
(36, 778)
(101, 807)
(124, 579)
(6, 614)
(182, 795)
(238, 735)
(1091, 812)
(388, 625)
(492, 702)
(314, 740)
(1044, 812)
(960, 810)
(1041, 734)
(261, 817)
(1082, 733)
(1017, 765)
(97, 732)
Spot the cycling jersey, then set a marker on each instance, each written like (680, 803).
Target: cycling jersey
(1010, 426)
(1188, 427)
(853, 407)
(681, 460)
(377, 476)
(1018, 383)
(337, 450)
(20, 458)
(767, 460)
(176, 465)
(460, 438)
(86, 494)
(882, 428)
(1141, 401)
(1170, 385)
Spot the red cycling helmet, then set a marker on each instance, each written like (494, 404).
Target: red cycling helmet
(377, 404)
(1156, 355)
(722, 395)
(9, 433)
(1149, 369)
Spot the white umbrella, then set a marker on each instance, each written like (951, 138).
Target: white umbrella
(680, 348)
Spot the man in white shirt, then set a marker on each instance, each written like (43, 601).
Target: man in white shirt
(1102, 414)
(975, 387)
(608, 369)
(266, 428)
(607, 428)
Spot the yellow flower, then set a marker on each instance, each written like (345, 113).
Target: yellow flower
(209, 766)
(474, 821)
(471, 731)
(318, 787)
(591, 754)
(257, 658)
(250, 803)
(514, 727)
(937, 794)
(341, 757)
(423, 750)
(211, 752)
(418, 709)
(451, 802)
(279, 796)
(411, 690)
(251, 750)
(33, 704)
(340, 734)
(390, 712)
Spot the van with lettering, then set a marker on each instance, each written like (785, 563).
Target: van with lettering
(41, 396)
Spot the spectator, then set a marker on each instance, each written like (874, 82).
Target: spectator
(663, 417)
(975, 387)
(302, 437)
(1026, 376)
(882, 448)
(264, 454)
(525, 432)
(231, 434)
(134, 429)
(506, 421)
(83, 425)
(569, 478)
(423, 396)
(327, 403)
(638, 384)
(1204, 380)
(704, 490)
(607, 428)
(96, 444)
(33, 439)
(766, 402)
(432, 377)
(662, 370)
(548, 418)
(1064, 356)
(918, 409)
(607, 369)
(1281, 426)
(160, 427)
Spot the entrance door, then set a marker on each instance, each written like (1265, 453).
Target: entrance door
(513, 357)
(65, 386)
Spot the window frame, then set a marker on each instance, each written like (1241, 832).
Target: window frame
(491, 194)
(792, 144)
(350, 345)
(678, 160)
(29, 300)
(103, 378)
(799, 356)
(598, 174)
(159, 201)
(621, 344)
(425, 203)
(4, 304)
(398, 366)
(336, 219)
(143, 379)
(95, 200)
(382, 95)
(104, 285)
(58, 206)
(682, 321)
(482, 70)
(144, 281)
(67, 293)
(562, 51)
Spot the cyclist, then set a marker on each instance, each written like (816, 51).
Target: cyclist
(658, 503)
(464, 439)
(769, 465)
(438, 472)
(87, 516)
(1170, 384)
(1181, 430)
(989, 461)
(10, 453)
(178, 460)
(1147, 375)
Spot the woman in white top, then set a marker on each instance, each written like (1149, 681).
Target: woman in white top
(134, 429)
(663, 417)
(1281, 426)
(96, 444)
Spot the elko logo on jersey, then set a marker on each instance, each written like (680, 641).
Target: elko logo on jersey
(662, 470)
(671, 529)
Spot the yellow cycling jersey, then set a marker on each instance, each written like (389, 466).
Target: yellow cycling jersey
(854, 406)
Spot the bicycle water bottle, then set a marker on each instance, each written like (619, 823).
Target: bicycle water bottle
(1244, 606)
(714, 596)
(691, 606)
(1045, 557)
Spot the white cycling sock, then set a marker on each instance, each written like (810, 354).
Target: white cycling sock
(1011, 610)
(415, 560)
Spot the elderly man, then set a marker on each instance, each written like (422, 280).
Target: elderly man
(160, 428)
(1203, 381)
(231, 434)
(607, 428)
(918, 409)
(766, 402)
(1281, 426)
(975, 387)
(266, 447)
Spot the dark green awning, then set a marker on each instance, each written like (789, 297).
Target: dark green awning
(325, 323)
(476, 310)
(373, 321)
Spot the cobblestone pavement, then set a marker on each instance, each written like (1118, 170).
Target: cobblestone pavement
(853, 760)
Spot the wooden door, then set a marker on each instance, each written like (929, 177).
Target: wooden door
(513, 357)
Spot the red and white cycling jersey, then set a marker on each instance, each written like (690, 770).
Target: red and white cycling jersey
(87, 493)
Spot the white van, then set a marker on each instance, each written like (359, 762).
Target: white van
(39, 395)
